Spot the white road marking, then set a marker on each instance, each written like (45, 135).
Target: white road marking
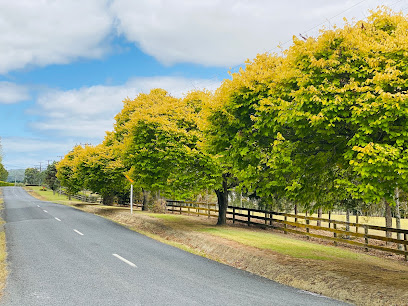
(125, 260)
(57, 219)
(38, 205)
(78, 232)
(45, 211)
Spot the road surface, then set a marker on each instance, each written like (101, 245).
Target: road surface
(58, 255)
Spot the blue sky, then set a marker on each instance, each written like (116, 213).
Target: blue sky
(67, 65)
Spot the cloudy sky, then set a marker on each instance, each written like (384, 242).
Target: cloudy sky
(66, 65)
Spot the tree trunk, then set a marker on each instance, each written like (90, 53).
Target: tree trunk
(347, 225)
(144, 203)
(398, 216)
(222, 198)
(296, 212)
(108, 199)
(388, 218)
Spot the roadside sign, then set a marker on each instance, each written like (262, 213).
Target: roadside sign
(128, 178)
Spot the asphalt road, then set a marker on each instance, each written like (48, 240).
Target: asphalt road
(58, 255)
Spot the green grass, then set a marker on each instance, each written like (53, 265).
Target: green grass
(261, 240)
(165, 217)
(48, 194)
(280, 244)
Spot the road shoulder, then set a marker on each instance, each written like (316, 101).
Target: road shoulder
(3, 251)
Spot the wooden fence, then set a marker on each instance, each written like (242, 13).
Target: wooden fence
(192, 208)
(87, 199)
(367, 236)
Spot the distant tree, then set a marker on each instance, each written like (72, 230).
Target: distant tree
(50, 176)
(3, 173)
(67, 172)
(32, 176)
(103, 172)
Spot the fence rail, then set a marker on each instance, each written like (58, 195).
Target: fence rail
(364, 235)
(192, 208)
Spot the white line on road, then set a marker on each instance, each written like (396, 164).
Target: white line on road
(38, 205)
(78, 232)
(57, 219)
(125, 260)
(45, 211)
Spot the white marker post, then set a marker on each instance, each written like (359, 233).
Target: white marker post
(131, 192)
(131, 198)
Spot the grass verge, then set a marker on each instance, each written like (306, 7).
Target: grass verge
(336, 272)
(3, 252)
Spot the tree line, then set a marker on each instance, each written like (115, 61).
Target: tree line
(3, 171)
(322, 125)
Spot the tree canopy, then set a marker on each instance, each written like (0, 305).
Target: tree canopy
(323, 123)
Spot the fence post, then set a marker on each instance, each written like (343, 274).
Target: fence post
(329, 219)
(180, 209)
(270, 220)
(296, 212)
(285, 225)
(249, 217)
(335, 234)
(209, 212)
(307, 223)
(366, 238)
(405, 247)
(233, 215)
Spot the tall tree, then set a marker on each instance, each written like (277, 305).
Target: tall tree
(50, 176)
(334, 108)
(3, 173)
(103, 171)
(346, 97)
(162, 144)
(67, 172)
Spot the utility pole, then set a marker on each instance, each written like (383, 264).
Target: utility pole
(40, 165)
(48, 161)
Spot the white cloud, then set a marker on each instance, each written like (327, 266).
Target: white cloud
(211, 32)
(30, 145)
(45, 32)
(89, 112)
(24, 152)
(227, 32)
(12, 93)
